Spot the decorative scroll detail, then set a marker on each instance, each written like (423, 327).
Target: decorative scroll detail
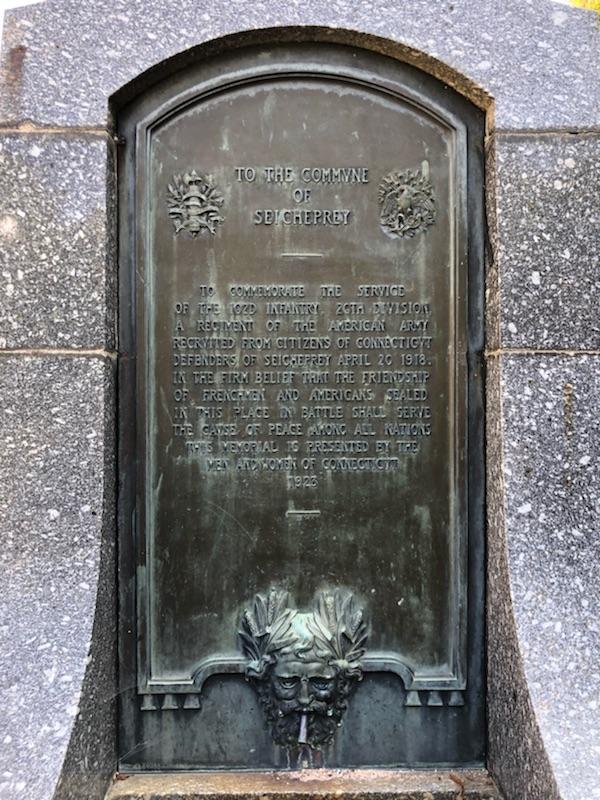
(407, 202)
(194, 203)
(304, 665)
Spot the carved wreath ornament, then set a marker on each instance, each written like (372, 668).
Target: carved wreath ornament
(194, 203)
(303, 664)
(407, 202)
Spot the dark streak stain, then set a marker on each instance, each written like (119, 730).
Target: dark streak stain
(13, 75)
(16, 57)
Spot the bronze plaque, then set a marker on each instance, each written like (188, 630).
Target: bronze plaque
(302, 331)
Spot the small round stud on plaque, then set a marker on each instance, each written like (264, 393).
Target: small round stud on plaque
(407, 202)
(194, 203)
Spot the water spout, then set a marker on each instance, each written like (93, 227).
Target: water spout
(302, 733)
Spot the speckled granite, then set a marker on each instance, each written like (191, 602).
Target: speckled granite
(57, 654)
(549, 240)
(516, 754)
(537, 58)
(55, 242)
(551, 441)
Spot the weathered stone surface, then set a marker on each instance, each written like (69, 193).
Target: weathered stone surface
(56, 243)
(550, 473)
(536, 58)
(322, 784)
(516, 754)
(548, 243)
(57, 636)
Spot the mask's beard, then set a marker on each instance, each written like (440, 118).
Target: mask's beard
(320, 718)
(317, 729)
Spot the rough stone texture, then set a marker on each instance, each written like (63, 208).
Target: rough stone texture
(516, 754)
(548, 250)
(322, 784)
(551, 441)
(538, 59)
(57, 575)
(56, 242)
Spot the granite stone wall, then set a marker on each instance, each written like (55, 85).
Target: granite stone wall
(531, 65)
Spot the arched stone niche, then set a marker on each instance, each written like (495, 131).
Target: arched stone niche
(287, 196)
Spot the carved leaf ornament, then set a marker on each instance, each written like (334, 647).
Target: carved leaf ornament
(194, 203)
(407, 202)
(266, 630)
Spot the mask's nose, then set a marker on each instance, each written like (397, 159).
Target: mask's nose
(304, 697)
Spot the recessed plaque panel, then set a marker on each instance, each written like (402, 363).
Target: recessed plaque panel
(301, 341)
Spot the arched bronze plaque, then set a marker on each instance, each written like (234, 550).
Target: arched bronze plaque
(301, 441)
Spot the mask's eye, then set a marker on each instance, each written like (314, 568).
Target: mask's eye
(321, 684)
(288, 682)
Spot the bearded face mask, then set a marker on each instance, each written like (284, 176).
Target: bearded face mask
(304, 665)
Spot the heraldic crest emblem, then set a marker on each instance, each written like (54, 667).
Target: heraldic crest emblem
(194, 203)
(407, 202)
(304, 665)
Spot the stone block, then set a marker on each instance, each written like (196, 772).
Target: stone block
(57, 634)
(552, 518)
(548, 250)
(57, 260)
(516, 754)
